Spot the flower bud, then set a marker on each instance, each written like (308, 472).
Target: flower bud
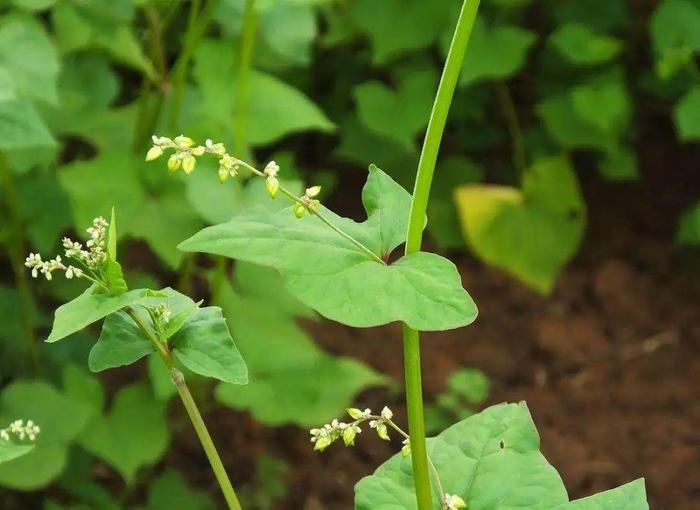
(299, 210)
(173, 163)
(322, 443)
(354, 413)
(349, 436)
(406, 448)
(154, 153)
(271, 169)
(313, 191)
(387, 414)
(223, 174)
(188, 163)
(272, 185)
(184, 141)
(198, 151)
(382, 432)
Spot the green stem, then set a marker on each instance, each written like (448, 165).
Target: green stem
(193, 412)
(510, 113)
(16, 250)
(245, 58)
(414, 237)
(197, 20)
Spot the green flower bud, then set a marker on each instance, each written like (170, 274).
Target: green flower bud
(354, 413)
(382, 432)
(223, 174)
(313, 191)
(349, 436)
(173, 163)
(188, 163)
(272, 185)
(322, 443)
(184, 141)
(299, 210)
(154, 153)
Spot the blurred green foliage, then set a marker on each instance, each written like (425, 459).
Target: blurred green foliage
(335, 84)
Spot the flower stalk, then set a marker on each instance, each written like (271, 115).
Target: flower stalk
(419, 205)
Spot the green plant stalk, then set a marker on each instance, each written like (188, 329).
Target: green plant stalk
(197, 20)
(510, 115)
(245, 58)
(240, 121)
(414, 237)
(193, 412)
(16, 251)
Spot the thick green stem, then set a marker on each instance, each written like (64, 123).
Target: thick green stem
(16, 250)
(193, 412)
(414, 237)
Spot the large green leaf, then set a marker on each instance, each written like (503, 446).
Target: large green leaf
(631, 496)
(121, 343)
(29, 55)
(61, 418)
(336, 278)
(91, 306)
(687, 116)
(491, 460)
(132, 435)
(23, 136)
(316, 386)
(199, 338)
(494, 52)
(531, 232)
(204, 345)
(582, 45)
(397, 114)
(275, 110)
(391, 24)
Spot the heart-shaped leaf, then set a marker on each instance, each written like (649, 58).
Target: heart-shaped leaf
(492, 461)
(582, 45)
(61, 418)
(531, 232)
(133, 434)
(330, 274)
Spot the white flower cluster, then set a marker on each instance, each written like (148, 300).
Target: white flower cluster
(186, 153)
(91, 258)
(452, 502)
(20, 430)
(328, 434)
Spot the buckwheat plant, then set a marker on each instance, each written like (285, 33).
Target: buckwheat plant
(341, 269)
(139, 323)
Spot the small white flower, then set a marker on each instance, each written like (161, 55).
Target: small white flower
(387, 414)
(356, 414)
(271, 169)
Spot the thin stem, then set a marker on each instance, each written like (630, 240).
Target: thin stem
(245, 58)
(320, 216)
(193, 412)
(16, 250)
(414, 237)
(150, 106)
(197, 20)
(510, 115)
